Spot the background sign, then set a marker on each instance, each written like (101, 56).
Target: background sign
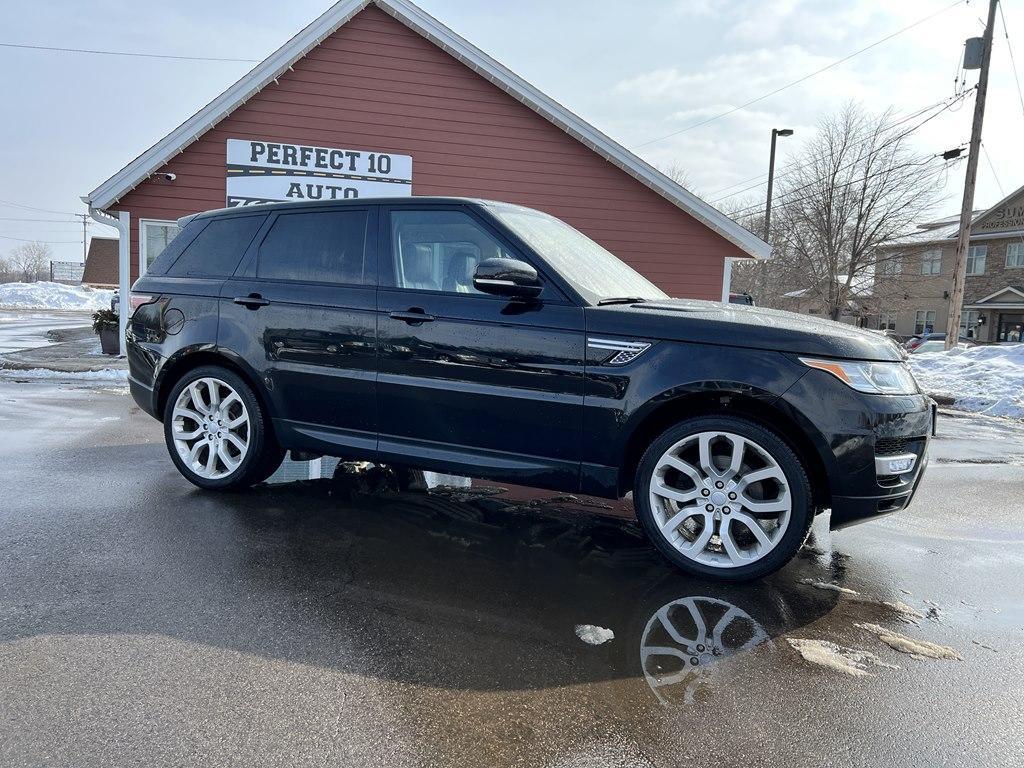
(268, 171)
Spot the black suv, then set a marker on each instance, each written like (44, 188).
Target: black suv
(495, 341)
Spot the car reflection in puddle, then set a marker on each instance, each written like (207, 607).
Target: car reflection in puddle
(685, 637)
(505, 574)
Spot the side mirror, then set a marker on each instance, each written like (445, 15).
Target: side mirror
(507, 277)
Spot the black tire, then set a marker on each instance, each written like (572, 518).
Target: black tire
(264, 455)
(801, 515)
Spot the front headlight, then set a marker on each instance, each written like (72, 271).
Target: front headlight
(873, 378)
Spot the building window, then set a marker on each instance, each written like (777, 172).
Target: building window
(154, 237)
(976, 256)
(1015, 255)
(890, 265)
(969, 323)
(887, 321)
(931, 262)
(924, 321)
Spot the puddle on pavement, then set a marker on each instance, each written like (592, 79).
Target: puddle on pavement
(534, 576)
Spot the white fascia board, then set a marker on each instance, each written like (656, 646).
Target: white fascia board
(1001, 290)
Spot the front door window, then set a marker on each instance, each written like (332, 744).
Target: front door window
(439, 250)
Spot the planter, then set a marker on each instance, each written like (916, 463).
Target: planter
(108, 340)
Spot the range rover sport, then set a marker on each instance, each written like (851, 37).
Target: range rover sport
(494, 341)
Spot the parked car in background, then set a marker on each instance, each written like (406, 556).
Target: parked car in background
(489, 340)
(741, 298)
(936, 345)
(920, 338)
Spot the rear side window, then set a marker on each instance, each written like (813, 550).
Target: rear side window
(320, 247)
(218, 248)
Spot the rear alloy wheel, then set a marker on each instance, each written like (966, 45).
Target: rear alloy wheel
(215, 431)
(724, 497)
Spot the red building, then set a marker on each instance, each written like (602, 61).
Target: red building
(383, 78)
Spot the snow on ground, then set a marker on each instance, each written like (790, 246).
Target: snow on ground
(984, 379)
(103, 376)
(592, 634)
(46, 295)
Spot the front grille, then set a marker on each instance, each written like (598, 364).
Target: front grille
(889, 446)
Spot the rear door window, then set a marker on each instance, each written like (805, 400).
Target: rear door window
(217, 250)
(317, 247)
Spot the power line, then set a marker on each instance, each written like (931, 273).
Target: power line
(808, 76)
(1013, 63)
(858, 180)
(43, 221)
(992, 168)
(785, 196)
(946, 104)
(46, 242)
(762, 178)
(51, 48)
(41, 210)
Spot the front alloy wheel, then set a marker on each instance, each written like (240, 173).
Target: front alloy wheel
(724, 497)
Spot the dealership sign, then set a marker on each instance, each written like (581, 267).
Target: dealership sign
(268, 171)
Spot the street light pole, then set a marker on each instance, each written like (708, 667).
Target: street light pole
(776, 132)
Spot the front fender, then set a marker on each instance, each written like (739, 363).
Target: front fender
(618, 400)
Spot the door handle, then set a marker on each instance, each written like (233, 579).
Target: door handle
(252, 301)
(413, 316)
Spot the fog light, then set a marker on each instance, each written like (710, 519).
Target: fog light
(895, 465)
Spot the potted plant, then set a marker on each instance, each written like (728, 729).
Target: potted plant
(105, 323)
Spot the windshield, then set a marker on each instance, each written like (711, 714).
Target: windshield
(593, 271)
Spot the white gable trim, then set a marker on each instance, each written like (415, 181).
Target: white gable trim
(1000, 292)
(413, 17)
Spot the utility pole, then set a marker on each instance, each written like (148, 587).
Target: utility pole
(956, 301)
(85, 222)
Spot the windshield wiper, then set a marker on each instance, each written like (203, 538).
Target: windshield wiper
(621, 300)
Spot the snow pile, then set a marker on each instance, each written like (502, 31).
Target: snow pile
(46, 295)
(851, 661)
(102, 376)
(985, 379)
(592, 634)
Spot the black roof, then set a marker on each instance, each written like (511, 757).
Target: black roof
(359, 201)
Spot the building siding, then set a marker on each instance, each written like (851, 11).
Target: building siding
(377, 85)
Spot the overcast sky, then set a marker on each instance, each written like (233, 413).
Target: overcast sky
(71, 120)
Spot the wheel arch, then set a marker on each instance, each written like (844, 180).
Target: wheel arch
(762, 411)
(177, 367)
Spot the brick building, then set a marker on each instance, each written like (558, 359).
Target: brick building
(916, 274)
(376, 80)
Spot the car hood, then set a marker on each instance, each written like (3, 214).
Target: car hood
(737, 325)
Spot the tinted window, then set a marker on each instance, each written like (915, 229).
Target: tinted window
(322, 247)
(218, 248)
(439, 250)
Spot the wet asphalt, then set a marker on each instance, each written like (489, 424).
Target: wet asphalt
(339, 622)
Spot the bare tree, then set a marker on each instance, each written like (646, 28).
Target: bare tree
(677, 173)
(30, 262)
(856, 186)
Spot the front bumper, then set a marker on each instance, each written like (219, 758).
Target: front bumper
(852, 431)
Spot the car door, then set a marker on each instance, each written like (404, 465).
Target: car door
(301, 310)
(470, 382)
